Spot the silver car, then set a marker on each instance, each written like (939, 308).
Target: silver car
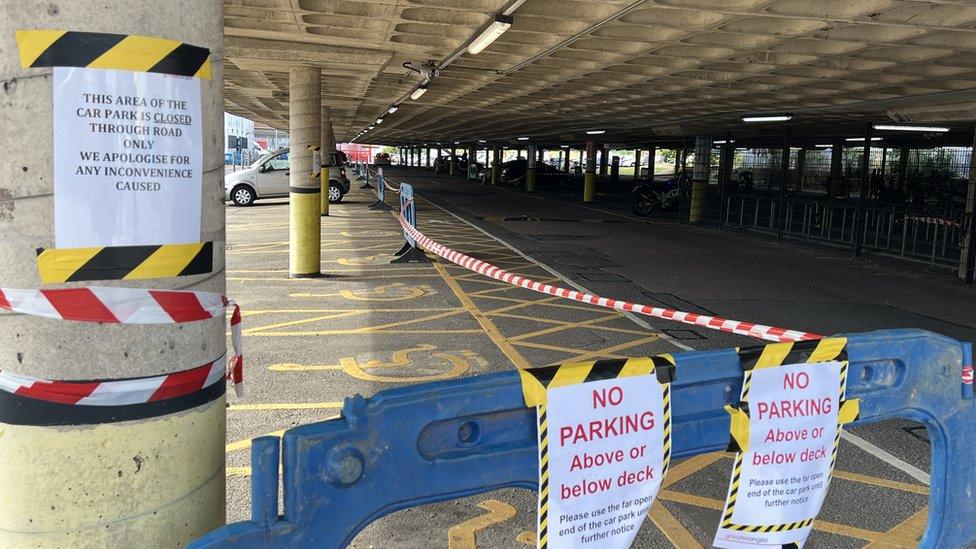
(268, 178)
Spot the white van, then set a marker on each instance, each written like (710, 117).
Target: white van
(268, 178)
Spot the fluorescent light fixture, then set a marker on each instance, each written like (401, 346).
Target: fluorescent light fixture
(862, 139)
(934, 129)
(564, 146)
(369, 128)
(457, 142)
(497, 28)
(824, 146)
(393, 109)
(595, 132)
(421, 89)
(482, 141)
(522, 138)
(768, 118)
(722, 142)
(379, 120)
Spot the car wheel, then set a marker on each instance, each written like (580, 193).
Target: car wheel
(242, 195)
(335, 193)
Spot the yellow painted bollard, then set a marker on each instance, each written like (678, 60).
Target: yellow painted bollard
(699, 190)
(589, 187)
(304, 256)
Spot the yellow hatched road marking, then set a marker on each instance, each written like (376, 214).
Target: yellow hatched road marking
(906, 534)
(462, 536)
(672, 529)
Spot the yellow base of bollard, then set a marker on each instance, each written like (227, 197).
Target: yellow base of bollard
(589, 187)
(142, 483)
(699, 190)
(304, 249)
(324, 190)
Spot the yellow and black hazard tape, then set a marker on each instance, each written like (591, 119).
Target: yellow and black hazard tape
(536, 381)
(124, 262)
(772, 356)
(96, 50)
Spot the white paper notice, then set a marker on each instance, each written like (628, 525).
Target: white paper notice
(784, 471)
(606, 459)
(128, 157)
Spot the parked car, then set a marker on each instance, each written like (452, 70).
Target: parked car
(513, 173)
(382, 159)
(268, 178)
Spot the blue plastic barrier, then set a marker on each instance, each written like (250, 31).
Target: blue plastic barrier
(398, 449)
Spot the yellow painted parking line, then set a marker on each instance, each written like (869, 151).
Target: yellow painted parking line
(527, 537)
(883, 482)
(907, 534)
(564, 327)
(360, 310)
(284, 406)
(462, 536)
(614, 348)
(689, 467)
(558, 349)
(486, 324)
(257, 329)
(238, 471)
(333, 271)
(544, 302)
(672, 529)
(531, 318)
(246, 443)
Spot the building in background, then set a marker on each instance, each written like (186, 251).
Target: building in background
(268, 138)
(242, 128)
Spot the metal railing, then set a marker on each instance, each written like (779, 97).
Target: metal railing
(890, 230)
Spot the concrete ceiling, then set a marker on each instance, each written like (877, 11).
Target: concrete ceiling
(646, 70)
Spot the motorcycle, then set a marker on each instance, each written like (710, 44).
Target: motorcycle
(649, 196)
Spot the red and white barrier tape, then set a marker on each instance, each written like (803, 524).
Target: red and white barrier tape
(128, 306)
(770, 333)
(967, 375)
(934, 221)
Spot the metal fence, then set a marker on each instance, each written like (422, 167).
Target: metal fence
(889, 229)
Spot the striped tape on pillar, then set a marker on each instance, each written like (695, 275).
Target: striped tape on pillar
(96, 50)
(121, 306)
(773, 356)
(124, 262)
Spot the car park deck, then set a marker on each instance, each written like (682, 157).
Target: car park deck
(369, 325)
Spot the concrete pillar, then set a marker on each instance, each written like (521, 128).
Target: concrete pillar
(604, 160)
(651, 154)
(472, 160)
(699, 180)
(428, 157)
(496, 163)
(565, 160)
(678, 161)
(156, 480)
(967, 258)
(304, 121)
(531, 159)
(801, 168)
(836, 169)
(903, 153)
(637, 164)
(589, 178)
(327, 150)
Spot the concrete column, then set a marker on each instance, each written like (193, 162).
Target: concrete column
(678, 160)
(97, 481)
(327, 148)
(428, 157)
(472, 160)
(801, 168)
(589, 178)
(651, 154)
(836, 169)
(903, 153)
(531, 159)
(637, 162)
(604, 160)
(496, 163)
(565, 160)
(304, 122)
(699, 180)
(967, 258)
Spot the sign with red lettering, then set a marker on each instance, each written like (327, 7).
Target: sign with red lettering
(786, 430)
(604, 446)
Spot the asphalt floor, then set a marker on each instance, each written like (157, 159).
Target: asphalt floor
(370, 325)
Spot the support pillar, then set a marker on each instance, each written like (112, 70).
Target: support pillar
(428, 157)
(967, 259)
(472, 162)
(496, 165)
(327, 153)
(589, 179)
(157, 479)
(726, 157)
(836, 170)
(637, 164)
(801, 168)
(699, 181)
(531, 159)
(862, 222)
(565, 159)
(604, 160)
(784, 182)
(304, 121)
(651, 155)
(903, 154)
